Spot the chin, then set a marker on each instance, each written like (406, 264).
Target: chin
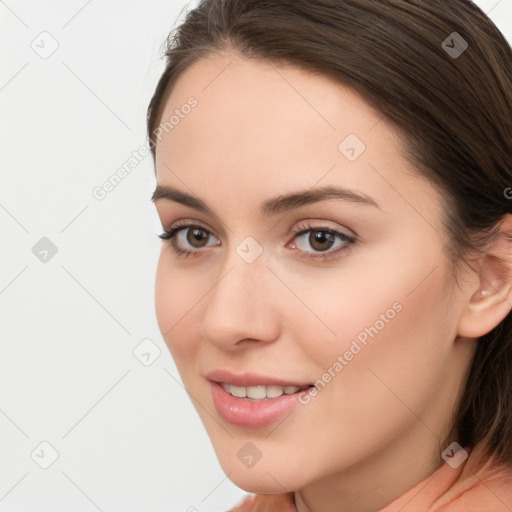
(261, 483)
(265, 477)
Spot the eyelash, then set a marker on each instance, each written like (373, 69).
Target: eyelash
(301, 229)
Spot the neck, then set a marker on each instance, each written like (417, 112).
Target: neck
(373, 483)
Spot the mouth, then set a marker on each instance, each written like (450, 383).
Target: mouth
(253, 401)
(262, 392)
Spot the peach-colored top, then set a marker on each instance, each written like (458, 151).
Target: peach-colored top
(479, 484)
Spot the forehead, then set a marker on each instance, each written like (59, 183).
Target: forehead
(240, 100)
(259, 127)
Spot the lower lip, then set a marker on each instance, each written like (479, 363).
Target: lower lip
(246, 413)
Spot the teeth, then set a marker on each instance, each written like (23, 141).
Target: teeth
(274, 391)
(260, 392)
(238, 391)
(256, 392)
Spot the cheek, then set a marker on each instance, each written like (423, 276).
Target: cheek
(380, 296)
(379, 334)
(174, 307)
(394, 353)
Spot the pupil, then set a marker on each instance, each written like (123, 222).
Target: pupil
(321, 241)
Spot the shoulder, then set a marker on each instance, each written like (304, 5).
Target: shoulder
(479, 484)
(266, 503)
(484, 484)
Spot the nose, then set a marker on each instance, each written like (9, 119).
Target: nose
(241, 309)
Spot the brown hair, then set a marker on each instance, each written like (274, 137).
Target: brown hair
(453, 110)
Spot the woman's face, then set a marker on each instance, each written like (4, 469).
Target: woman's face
(289, 281)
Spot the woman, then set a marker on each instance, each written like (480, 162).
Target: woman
(333, 181)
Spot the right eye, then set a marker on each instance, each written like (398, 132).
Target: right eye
(188, 239)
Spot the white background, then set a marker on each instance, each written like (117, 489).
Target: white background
(126, 434)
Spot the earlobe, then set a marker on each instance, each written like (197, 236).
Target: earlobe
(492, 301)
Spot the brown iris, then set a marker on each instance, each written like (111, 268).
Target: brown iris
(321, 240)
(196, 235)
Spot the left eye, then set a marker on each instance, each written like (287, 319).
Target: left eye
(321, 240)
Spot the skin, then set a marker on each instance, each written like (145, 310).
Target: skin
(377, 429)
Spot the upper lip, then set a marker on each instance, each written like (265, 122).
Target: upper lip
(250, 379)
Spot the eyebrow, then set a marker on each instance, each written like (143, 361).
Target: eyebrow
(273, 206)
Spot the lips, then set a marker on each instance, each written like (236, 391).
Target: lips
(251, 400)
(252, 379)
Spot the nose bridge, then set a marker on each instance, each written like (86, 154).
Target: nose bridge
(244, 271)
(240, 304)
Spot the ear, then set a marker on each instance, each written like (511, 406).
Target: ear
(492, 301)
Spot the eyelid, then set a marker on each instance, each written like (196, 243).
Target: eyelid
(183, 225)
(295, 230)
(189, 223)
(318, 224)
(170, 211)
